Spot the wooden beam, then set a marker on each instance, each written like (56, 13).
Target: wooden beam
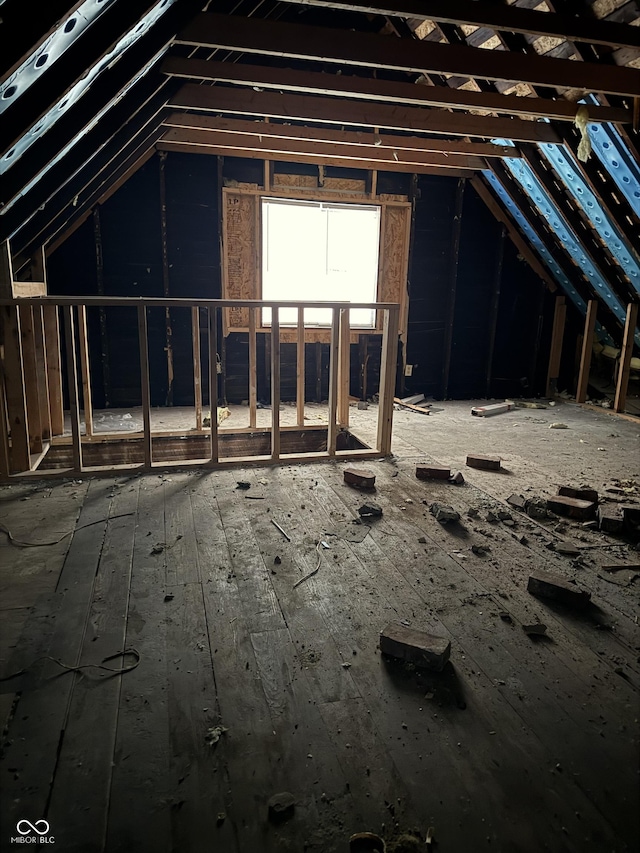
(47, 90)
(253, 369)
(342, 138)
(334, 357)
(212, 319)
(344, 368)
(43, 373)
(30, 374)
(85, 370)
(390, 91)
(275, 385)
(143, 342)
(389, 358)
(310, 158)
(510, 18)
(345, 112)
(624, 367)
(272, 146)
(587, 347)
(25, 33)
(6, 270)
(197, 372)
(300, 368)
(15, 394)
(324, 44)
(54, 368)
(557, 337)
(72, 375)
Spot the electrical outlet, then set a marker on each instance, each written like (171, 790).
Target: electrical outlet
(408, 370)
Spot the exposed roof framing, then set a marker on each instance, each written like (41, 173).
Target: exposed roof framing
(383, 91)
(89, 90)
(355, 113)
(496, 17)
(324, 44)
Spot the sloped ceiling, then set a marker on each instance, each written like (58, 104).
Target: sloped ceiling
(485, 90)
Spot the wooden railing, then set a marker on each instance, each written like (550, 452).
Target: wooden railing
(31, 381)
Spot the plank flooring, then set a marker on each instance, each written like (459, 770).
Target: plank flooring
(250, 683)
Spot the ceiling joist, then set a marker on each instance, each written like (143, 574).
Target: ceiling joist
(390, 91)
(288, 157)
(318, 151)
(496, 17)
(323, 44)
(341, 111)
(271, 130)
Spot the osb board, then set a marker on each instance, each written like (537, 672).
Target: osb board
(394, 258)
(241, 268)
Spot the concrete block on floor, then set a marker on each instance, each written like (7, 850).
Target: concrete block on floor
(485, 463)
(581, 494)
(416, 647)
(547, 585)
(432, 472)
(610, 520)
(572, 507)
(360, 477)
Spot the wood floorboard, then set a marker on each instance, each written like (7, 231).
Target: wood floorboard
(395, 557)
(142, 791)
(41, 714)
(545, 672)
(80, 794)
(517, 746)
(249, 747)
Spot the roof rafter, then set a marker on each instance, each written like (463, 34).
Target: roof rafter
(314, 150)
(354, 113)
(496, 17)
(299, 41)
(340, 138)
(51, 87)
(391, 91)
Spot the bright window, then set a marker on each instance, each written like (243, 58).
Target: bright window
(316, 251)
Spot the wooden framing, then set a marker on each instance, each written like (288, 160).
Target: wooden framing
(54, 367)
(30, 377)
(212, 328)
(514, 19)
(587, 348)
(83, 340)
(20, 407)
(555, 354)
(624, 366)
(14, 391)
(300, 368)
(389, 91)
(72, 374)
(357, 114)
(242, 250)
(344, 368)
(144, 383)
(325, 44)
(197, 372)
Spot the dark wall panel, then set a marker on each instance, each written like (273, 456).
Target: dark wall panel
(132, 244)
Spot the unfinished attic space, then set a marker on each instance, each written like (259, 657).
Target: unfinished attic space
(319, 421)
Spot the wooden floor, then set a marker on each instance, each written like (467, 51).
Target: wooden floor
(520, 745)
